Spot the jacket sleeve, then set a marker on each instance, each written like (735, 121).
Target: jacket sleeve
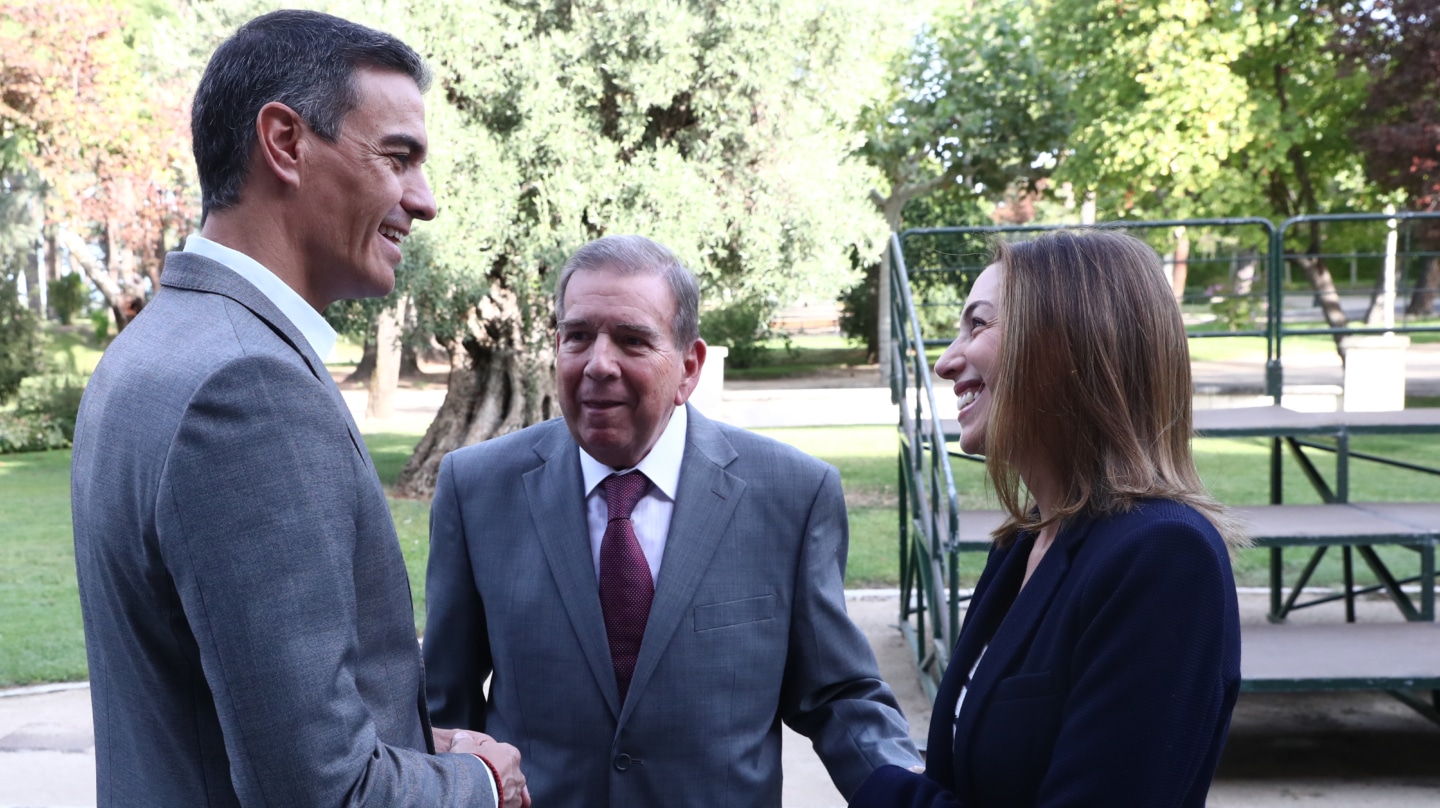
(894, 787)
(257, 521)
(457, 650)
(832, 691)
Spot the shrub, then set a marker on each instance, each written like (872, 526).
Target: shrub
(21, 345)
(743, 327)
(860, 308)
(68, 296)
(44, 414)
(100, 320)
(31, 433)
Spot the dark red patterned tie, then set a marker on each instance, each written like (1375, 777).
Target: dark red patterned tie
(626, 588)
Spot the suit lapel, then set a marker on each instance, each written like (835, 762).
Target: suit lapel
(557, 511)
(984, 611)
(200, 274)
(704, 503)
(1018, 625)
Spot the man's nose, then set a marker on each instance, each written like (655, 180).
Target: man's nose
(418, 201)
(602, 363)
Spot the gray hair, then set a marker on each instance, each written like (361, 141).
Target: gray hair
(637, 255)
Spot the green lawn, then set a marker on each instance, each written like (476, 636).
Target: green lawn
(807, 354)
(41, 638)
(40, 631)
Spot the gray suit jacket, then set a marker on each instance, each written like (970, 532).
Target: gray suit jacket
(247, 611)
(748, 627)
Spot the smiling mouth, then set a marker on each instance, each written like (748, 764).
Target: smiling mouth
(394, 235)
(968, 397)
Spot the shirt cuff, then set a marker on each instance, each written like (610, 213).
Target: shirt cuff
(489, 778)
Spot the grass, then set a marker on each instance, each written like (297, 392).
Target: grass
(41, 638)
(71, 349)
(807, 354)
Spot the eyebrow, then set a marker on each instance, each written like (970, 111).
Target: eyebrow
(410, 143)
(970, 307)
(632, 327)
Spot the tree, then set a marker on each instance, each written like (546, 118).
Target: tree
(1192, 108)
(89, 111)
(1396, 45)
(21, 349)
(972, 110)
(718, 129)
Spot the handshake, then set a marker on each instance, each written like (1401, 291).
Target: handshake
(502, 759)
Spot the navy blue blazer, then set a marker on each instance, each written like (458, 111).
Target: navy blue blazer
(1109, 680)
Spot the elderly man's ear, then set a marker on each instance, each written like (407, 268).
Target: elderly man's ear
(694, 360)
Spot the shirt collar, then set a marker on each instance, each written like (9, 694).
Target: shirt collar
(661, 465)
(312, 326)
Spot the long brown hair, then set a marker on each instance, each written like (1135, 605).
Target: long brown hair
(1093, 382)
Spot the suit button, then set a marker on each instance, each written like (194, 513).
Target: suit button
(622, 762)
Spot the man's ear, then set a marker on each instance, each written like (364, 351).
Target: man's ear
(692, 362)
(279, 131)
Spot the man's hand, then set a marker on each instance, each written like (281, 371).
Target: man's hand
(503, 757)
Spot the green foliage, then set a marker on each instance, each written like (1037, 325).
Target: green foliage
(100, 325)
(68, 296)
(860, 307)
(1190, 108)
(21, 344)
(715, 128)
(744, 328)
(44, 415)
(973, 111)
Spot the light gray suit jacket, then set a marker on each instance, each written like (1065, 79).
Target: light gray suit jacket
(247, 612)
(748, 627)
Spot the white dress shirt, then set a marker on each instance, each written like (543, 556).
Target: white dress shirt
(302, 315)
(652, 513)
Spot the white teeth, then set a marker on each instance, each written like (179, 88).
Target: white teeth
(392, 234)
(967, 398)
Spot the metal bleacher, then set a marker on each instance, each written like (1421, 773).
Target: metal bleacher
(1402, 658)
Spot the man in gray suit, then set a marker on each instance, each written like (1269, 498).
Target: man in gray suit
(650, 592)
(247, 611)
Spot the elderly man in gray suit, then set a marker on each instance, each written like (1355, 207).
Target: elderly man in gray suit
(247, 611)
(649, 592)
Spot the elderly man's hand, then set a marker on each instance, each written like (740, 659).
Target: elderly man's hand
(502, 757)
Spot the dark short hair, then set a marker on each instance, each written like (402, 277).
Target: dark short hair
(637, 255)
(302, 59)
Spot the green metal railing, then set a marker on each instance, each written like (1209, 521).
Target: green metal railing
(929, 515)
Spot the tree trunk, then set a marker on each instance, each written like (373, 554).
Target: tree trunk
(124, 303)
(501, 380)
(1180, 269)
(386, 378)
(1422, 300)
(365, 368)
(1323, 284)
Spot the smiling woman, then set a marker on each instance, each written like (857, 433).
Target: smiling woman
(1099, 660)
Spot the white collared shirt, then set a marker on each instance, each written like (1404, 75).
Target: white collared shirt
(652, 513)
(302, 315)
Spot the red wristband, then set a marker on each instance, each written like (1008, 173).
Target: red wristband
(499, 789)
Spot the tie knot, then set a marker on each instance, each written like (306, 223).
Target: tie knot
(622, 491)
